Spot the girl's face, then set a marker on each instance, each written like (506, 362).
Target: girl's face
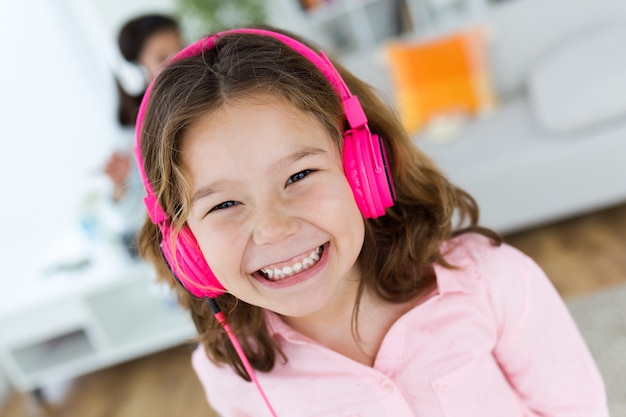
(157, 49)
(272, 209)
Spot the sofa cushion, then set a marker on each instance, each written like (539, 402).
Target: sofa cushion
(583, 83)
(521, 177)
(526, 31)
(440, 76)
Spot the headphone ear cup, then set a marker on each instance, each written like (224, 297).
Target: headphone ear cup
(366, 167)
(187, 263)
(133, 78)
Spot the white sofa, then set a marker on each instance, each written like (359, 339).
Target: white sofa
(556, 145)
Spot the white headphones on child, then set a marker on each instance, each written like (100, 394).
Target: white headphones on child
(132, 77)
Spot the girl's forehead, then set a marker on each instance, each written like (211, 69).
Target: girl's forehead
(249, 144)
(244, 107)
(259, 121)
(260, 98)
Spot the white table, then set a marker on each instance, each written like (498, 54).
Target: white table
(82, 308)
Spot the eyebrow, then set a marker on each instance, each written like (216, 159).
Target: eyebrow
(280, 164)
(206, 191)
(296, 156)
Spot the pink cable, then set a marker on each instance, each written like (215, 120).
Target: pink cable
(246, 364)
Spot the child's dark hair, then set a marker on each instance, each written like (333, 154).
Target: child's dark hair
(399, 248)
(131, 41)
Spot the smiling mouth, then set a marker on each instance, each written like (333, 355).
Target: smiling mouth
(294, 266)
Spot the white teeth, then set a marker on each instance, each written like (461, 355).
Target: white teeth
(290, 270)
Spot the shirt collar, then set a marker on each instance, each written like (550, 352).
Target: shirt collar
(464, 275)
(276, 326)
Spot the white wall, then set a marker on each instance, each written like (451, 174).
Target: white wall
(56, 118)
(57, 112)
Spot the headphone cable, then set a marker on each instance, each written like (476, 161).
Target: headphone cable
(246, 364)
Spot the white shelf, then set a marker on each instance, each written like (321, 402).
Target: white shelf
(62, 325)
(139, 315)
(358, 26)
(71, 347)
(27, 328)
(345, 26)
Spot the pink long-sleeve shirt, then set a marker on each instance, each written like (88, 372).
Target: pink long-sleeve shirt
(495, 340)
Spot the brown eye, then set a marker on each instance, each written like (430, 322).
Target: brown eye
(224, 205)
(298, 176)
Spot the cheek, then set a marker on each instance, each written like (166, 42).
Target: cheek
(334, 206)
(341, 195)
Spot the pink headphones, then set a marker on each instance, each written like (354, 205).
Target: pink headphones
(364, 159)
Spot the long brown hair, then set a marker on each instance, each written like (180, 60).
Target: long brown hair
(398, 247)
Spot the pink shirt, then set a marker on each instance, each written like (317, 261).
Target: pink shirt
(495, 340)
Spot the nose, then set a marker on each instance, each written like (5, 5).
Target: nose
(272, 225)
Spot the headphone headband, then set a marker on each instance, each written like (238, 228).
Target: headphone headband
(352, 108)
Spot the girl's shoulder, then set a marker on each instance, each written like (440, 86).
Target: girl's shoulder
(223, 387)
(477, 261)
(500, 278)
(481, 251)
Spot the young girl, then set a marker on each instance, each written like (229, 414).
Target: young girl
(316, 246)
(147, 42)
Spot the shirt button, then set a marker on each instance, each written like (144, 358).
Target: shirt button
(386, 385)
(438, 386)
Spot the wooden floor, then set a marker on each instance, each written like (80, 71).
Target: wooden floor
(580, 255)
